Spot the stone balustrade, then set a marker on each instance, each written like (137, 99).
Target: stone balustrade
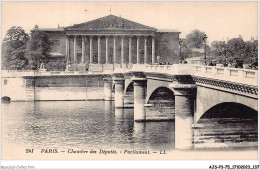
(237, 75)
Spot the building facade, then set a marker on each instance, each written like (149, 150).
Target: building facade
(110, 42)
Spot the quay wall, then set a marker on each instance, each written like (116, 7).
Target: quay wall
(52, 88)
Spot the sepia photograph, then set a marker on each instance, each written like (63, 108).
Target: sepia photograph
(128, 80)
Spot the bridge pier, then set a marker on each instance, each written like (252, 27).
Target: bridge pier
(184, 115)
(139, 98)
(108, 88)
(119, 91)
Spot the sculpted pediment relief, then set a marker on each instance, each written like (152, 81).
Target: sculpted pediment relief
(110, 22)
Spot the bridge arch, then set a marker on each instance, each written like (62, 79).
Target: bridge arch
(163, 95)
(228, 110)
(207, 98)
(129, 88)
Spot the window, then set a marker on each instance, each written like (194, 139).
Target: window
(5, 82)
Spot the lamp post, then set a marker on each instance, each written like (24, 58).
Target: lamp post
(205, 41)
(180, 43)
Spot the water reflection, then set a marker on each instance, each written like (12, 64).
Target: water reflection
(139, 128)
(97, 124)
(119, 113)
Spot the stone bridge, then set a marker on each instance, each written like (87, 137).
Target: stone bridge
(197, 89)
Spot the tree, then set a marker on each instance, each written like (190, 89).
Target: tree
(251, 50)
(185, 50)
(39, 48)
(14, 48)
(219, 51)
(195, 39)
(236, 48)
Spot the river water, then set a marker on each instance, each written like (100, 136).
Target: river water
(96, 124)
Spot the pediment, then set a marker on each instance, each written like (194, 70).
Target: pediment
(110, 22)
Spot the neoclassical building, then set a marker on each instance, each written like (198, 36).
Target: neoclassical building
(110, 42)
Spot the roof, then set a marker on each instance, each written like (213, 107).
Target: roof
(48, 29)
(168, 30)
(110, 22)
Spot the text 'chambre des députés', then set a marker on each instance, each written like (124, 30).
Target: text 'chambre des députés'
(106, 152)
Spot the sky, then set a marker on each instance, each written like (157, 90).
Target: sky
(219, 20)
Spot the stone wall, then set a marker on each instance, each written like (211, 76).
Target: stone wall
(167, 46)
(52, 88)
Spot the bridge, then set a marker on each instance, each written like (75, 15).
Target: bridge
(196, 89)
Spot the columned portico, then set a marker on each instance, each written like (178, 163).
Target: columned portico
(99, 51)
(96, 48)
(153, 50)
(107, 56)
(75, 48)
(113, 42)
(145, 50)
(122, 50)
(130, 50)
(83, 50)
(67, 49)
(91, 49)
(114, 51)
(137, 50)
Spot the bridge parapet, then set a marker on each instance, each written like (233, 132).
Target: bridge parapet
(175, 69)
(236, 75)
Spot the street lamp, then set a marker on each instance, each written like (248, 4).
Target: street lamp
(205, 41)
(180, 42)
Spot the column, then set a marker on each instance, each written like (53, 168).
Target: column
(114, 50)
(99, 51)
(108, 88)
(153, 50)
(130, 50)
(90, 49)
(139, 98)
(137, 50)
(67, 49)
(145, 50)
(75, 48)
(107, 55)
(184, 115)
(119, 91)
(122, 50)
(83, 50)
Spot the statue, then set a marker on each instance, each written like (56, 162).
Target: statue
(68, 66)
(42, 66)
(158, 58)
(42, 69)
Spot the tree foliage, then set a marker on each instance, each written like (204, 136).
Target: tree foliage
(235, 48)
(14, 49)
(195, 39)
(39, 47)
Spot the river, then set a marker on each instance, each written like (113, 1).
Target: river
(96, 124)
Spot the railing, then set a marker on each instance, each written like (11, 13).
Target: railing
(237, 75)
(243, 76)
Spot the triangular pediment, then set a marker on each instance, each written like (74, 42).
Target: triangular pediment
(110, 22)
